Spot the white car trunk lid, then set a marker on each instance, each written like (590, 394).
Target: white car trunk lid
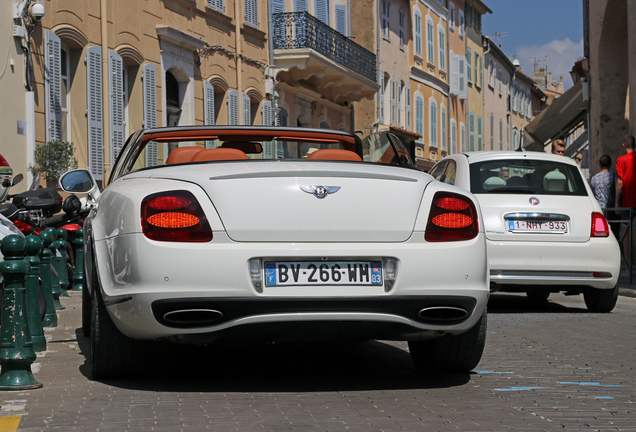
(499, 210)
(324, 202)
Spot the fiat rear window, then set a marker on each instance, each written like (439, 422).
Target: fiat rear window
(523, 176)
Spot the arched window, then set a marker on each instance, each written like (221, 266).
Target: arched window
(433, 123)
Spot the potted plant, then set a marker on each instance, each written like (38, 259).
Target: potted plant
(52, 159)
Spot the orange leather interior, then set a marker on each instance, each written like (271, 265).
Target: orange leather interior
(216, 154)
(335, 154)
(182, 155)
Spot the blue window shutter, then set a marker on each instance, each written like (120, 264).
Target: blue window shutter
(116, 107)
(150, 110)
(53, 86)
(232, 107)
(94, 111)
(322, 10)
(278, 6)
(341, 19)
(300, 6)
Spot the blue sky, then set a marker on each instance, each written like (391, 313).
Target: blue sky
(548, 32)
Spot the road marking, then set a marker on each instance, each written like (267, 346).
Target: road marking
(592, 384)
(9, 423)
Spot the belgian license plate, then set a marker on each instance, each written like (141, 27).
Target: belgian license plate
(538, 226)
(323, 273)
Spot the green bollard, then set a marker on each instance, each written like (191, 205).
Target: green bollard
(62, 260)
(33, 247)
(78, 273)
(50, 318)
(16, 347)
(55, 278)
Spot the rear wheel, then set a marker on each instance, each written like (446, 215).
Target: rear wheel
(113, 355)
(601, 300)
(458, 353)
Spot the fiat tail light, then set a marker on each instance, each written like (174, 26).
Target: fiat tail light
(453, 217)
(599, 225)
(174, 216)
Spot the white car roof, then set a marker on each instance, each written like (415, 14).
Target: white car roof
(480, 156)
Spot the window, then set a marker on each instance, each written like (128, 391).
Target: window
(251, 12)
(480, 133)
(443, 121)
(300, 6)
(321, 10)
(469, 75)
(462, 24)
(419, 115)
(385, 19)
(453, 136)
(341, 19)
(471, 131)
(515, 137)
(433, 123)
(476, 64)
(499, 80)
(462, 136)
(492, 131)
(216, 5)
(418, 33)
(500, 134)
(451, 17)
(442, 48)
(430, 40)
(65, 83)
(491, 74)
(402, 20)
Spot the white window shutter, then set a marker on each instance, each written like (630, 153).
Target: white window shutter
(94, 112)
(381, 103)
(392, 100)
(116, 107)
(208, 103)
(53, 86)
(247, 112)
(463, 89)
(150, 110)
(267, 113)
(408, 106)
(454, 78)
(232, 107)
(251, 12)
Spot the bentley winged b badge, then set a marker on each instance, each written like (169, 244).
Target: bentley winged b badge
(320, 191)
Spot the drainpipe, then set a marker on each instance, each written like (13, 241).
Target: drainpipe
(106, 93)
(237, 57)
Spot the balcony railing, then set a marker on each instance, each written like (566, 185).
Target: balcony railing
(302, 30)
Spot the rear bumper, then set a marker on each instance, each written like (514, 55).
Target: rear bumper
(595, 263)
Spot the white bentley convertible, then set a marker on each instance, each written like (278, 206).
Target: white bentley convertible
(275, 235)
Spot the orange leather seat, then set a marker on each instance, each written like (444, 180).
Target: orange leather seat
(335, 154)
(182, 155)
(217, 154)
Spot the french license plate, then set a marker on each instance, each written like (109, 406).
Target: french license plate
(538, 226)
(323, 273)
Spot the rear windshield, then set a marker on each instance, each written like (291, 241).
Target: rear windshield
(523, 176)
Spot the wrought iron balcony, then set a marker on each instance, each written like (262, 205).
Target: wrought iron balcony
(301, 30)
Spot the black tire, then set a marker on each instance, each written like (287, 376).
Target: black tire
(601, 300)
(86, 312)
(458, 353)
(113, 355)
(538, 295)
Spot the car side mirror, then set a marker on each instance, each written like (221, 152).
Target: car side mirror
(79, 181)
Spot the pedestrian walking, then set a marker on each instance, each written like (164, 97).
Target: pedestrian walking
(603, 185)
(626, 186)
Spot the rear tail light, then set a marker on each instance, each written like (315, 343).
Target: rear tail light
(174, 216)
(453, 217)
(599, 225)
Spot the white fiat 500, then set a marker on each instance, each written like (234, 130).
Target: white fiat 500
(545, 230)
(279, 234)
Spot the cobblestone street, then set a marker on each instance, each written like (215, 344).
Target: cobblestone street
(552, 367)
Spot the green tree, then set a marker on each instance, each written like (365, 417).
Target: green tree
(52, 159)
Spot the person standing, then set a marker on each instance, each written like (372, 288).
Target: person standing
(603, 186)
(626, 174)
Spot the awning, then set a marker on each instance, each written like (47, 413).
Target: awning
(557, 120)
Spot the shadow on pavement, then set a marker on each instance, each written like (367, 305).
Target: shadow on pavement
(223, 367)
(504, 303)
